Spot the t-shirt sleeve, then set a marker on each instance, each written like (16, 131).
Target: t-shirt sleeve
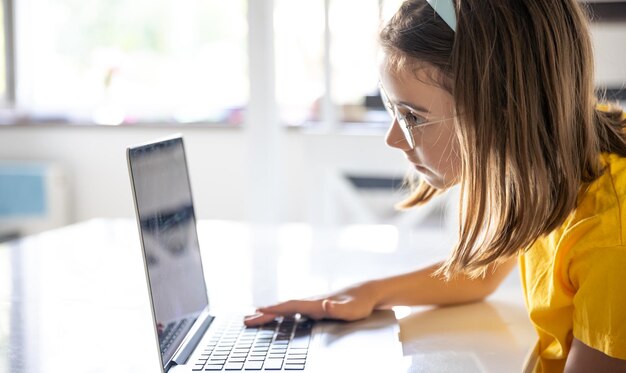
(599, 277)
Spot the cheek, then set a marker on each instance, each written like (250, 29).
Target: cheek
(439, 149)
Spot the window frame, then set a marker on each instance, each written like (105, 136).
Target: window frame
(8, 101)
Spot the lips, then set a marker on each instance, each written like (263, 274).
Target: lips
(416, 163)
(421, 168)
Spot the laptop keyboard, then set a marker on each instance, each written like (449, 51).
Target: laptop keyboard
(279, 345)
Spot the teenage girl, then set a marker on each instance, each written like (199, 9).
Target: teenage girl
(498, 96)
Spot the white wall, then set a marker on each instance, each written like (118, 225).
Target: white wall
(94, 157)
(609, 41)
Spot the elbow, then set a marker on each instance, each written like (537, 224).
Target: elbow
(483, 289)
(489, 286)
(477, 292)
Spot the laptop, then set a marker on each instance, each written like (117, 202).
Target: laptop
(188, 336)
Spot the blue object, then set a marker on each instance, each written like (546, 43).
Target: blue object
(22, 191)
(445, 9)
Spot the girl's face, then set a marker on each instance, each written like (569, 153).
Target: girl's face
(430, 109)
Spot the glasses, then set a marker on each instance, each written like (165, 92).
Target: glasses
(409, 121)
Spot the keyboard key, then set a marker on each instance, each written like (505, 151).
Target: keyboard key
(301, 342)
(295, 350)
(213, 367)
(235, 360)
(233, 366)
(253, 365)
(294, 360)
(273, 364)
(294, 367)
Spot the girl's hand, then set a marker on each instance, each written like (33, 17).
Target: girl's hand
(350, 304)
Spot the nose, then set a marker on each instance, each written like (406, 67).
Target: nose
(395, 137)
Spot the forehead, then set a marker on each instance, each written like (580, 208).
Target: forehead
(415, 84)
(403, 71)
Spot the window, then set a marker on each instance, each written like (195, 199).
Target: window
(116, 61)
(299, 46)
(353, 57)
(326, 59)
(185, 61)
(608, 30)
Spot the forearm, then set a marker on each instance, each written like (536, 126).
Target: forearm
(415, 288)
(422, 288)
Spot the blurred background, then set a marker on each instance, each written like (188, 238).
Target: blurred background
(277, 101)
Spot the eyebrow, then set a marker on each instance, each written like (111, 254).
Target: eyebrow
(404, 103)
(414, 107)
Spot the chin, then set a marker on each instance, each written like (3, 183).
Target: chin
(434, 183)
(437, 182)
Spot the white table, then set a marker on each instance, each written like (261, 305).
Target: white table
(75, 299)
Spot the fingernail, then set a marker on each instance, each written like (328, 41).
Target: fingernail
(250, 317)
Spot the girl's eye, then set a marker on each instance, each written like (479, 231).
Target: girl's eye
(414, 120)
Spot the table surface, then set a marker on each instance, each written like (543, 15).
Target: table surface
(75, 299)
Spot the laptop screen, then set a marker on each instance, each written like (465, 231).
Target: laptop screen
(168, 230)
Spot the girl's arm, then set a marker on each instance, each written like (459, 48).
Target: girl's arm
(414, 288)
(582, 358)
(421, 287)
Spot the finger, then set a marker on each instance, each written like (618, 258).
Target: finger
(305, 307)
(258, 319)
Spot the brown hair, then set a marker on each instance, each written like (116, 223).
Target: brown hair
(530, 130)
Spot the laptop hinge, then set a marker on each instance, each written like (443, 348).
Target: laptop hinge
(193, 338)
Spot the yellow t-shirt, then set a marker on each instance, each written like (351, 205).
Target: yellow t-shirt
(574, 279)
